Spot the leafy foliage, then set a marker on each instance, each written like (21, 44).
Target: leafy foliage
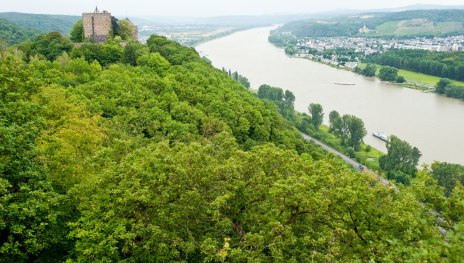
(237, 77)
(441, 85)
(12, 34)
(283, 100)
(317, 114)
(388, 74)
(442, 64)
(125, 29)
(448, 175)
(349, 128)
(173, 160)
(41, 23)
(454, 91)
(77, 32)
(51, 46)
(401, 160)
(369, 71)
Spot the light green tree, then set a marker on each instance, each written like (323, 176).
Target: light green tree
(126, 29)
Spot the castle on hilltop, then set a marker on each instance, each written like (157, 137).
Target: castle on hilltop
(100, 26)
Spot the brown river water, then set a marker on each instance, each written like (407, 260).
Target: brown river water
(433, 123)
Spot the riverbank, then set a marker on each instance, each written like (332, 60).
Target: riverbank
(414, 80)
(367, 156)
(219, 35)
(425, 120)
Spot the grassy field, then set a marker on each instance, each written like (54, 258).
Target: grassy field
(411, 76)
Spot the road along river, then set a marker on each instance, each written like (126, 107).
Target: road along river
(433, 123)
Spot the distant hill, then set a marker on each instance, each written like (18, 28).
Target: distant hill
(12, 34)
(234, 21)
(406, 23)
(421, 7)
(42, 23)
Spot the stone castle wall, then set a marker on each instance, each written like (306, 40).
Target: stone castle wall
(97, 26)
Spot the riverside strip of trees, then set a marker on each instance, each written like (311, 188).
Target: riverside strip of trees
(441, 64)
(147, 153)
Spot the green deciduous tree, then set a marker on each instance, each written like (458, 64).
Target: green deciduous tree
(349, 128)
(353, 131)
(400, 79)
(454, 91)
(388, 73)
(155, 62)
(126, 29)
(448, 175)
(317, 114)
(77, 32)
(105, 54)
(51, 46)
(336, 123)
(270, 93)
(441, 85)
(401, 160)
(369, 71)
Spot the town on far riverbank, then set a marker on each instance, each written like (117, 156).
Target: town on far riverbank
(425, 48)
(353, 53)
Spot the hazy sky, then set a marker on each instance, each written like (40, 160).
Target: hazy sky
(202, 7)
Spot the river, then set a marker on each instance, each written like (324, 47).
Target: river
(433, 123)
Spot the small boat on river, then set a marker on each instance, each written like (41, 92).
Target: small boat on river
(380, 135)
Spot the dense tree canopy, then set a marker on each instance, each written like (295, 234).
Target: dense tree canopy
(173, 160)
(388, 74)
(369, 71)
(442, 64)
(283, 100)
(12, 34)
(441, 85)
(401, 160)
(51, 46)
(349, 128)
(448, 175)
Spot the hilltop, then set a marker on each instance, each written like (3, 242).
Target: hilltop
(41, 22)
(11, 33)
(406, 23)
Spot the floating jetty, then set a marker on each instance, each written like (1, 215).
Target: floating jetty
(344, 83)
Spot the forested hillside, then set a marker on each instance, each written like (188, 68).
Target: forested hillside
(11, 34)
(407, 23)
(42, 23)
(148, 154)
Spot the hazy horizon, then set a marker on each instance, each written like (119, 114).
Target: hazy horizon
(205, 8)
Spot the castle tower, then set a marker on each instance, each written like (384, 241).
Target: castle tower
(97, 25)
